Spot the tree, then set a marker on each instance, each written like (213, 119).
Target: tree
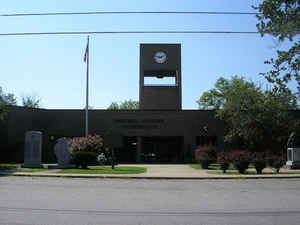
(113, 106)
(126, 105)
(129, 105)
(2, 110)
(31, 101)
(281, 19)
(217, 97)
(254, 118)
(7, 99)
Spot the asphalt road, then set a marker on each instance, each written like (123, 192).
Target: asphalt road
(64, 201)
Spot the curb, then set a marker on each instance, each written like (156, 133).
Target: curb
(242, 177)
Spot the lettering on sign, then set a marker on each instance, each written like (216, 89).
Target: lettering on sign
(139, 124)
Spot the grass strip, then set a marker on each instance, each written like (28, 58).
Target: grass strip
(8, 166)
(215, 166)
(196, 166)
(106, 170)
(32, 170)
(17, 167)
(251, 173)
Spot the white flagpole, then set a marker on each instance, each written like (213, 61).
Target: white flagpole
(87, 89)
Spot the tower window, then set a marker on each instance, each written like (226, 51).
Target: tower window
(160, 80)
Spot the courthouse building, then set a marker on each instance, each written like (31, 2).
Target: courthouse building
(159, 132)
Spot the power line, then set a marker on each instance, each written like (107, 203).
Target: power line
(126, 12)
(124, 32)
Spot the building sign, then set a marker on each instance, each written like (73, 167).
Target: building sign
(139, 124)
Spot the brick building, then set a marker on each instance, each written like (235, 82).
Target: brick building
(160, 131)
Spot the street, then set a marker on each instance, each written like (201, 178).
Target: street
(64, 201)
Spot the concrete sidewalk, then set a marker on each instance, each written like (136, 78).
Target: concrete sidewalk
(154, 171)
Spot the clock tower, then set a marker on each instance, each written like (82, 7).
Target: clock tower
(160, 61)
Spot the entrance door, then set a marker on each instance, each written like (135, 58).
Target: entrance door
(162, 149)
(127, 154)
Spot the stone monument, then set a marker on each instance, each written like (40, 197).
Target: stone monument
(293, 152)
(33, 149)
(62, 153)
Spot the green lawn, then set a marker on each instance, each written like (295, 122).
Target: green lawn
(12, 166)
(215, 166)
(196, 166)
(7, 166)
(32, 170)
(251, 173)
(90, 170)
(107, 170)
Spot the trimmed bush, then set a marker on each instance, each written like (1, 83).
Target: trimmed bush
(83, 159)
(277, 163)
(241, 160)
(85, 150)
(205, 155)
(204, 161)
(224, 161)
(270, 160)
(259, 162)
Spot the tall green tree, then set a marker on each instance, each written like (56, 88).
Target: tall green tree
(223, 90)
(31, 101)
(281, 19)
(259, 119)
(113, 106)
(126, 105)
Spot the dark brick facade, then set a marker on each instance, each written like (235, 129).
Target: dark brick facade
(183, 125)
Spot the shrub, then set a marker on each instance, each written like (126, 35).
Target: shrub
(204, 159)
(270, 159)
(224, 161)
(205, 155)
(83, 159)
(241, 160)
(259, 162)
(85, 150)
(89, 144)
(277, 163)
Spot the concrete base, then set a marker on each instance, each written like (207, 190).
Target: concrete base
(293, 164)
(32, 166)
(56, 166)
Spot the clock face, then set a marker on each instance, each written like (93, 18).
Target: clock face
(160, 57)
